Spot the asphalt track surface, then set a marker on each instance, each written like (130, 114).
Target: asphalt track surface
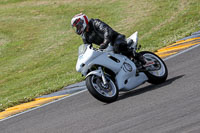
(172, 107)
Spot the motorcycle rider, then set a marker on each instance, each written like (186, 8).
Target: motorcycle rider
(97, 32)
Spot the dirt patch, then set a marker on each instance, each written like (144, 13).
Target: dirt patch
(181, 7)
(3, 39)
(53, 2)
(135, 12)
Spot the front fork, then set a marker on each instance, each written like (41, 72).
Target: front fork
(103, 76)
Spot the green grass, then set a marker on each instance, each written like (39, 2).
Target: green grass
(38, 48)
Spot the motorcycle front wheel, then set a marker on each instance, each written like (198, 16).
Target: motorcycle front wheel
(159, 71)
(106, 93)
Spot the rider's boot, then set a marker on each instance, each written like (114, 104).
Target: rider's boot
(141, 62)
(140, 58)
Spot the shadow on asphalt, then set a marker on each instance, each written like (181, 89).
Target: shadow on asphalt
(147, 88)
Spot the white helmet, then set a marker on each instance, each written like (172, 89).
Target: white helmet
(79, 22)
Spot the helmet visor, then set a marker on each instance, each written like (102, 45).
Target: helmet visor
(78, 26)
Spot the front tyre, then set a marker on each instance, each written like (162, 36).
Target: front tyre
(105, 93)
(158, 72)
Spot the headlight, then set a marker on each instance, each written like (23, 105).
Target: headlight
(82, 48)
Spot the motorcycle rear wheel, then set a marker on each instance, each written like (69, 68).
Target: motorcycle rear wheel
(105, 93)
(158, 76)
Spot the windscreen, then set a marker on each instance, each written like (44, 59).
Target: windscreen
(82, 48)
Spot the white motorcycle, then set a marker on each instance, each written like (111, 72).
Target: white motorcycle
(108, 73)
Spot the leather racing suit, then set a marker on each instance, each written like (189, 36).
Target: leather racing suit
(101, 34)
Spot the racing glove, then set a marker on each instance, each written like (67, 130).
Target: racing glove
(103, 46)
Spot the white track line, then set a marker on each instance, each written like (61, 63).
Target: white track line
(172, 56)
(42, 105)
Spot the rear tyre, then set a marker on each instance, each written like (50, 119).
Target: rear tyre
(160, 74)
(105, 93)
